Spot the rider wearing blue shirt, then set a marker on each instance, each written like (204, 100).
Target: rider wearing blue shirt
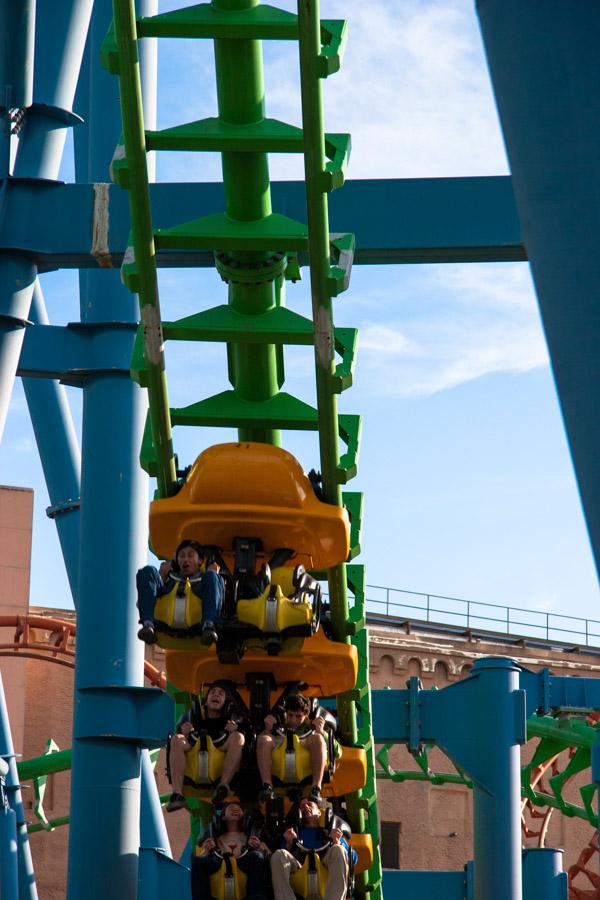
(312, 836)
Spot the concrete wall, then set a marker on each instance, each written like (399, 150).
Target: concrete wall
(16, 509)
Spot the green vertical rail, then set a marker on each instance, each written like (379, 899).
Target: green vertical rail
(361, 808)
(143, 246)
(309, 27)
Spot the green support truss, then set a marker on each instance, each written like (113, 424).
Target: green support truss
(555, 736)
(256, 252)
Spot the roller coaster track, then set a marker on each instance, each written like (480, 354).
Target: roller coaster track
(256, 251)
(53, 640)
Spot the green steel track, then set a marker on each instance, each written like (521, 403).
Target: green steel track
(256, 252)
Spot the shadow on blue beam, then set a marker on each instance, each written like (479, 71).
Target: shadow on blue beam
(543, 879)
(424, 885)
(160, 876)
(420, 220)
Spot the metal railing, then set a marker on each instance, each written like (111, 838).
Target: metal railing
(470, 614)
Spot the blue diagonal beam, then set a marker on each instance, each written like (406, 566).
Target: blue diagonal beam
(75, 352)
(545, 69)
(395, 220)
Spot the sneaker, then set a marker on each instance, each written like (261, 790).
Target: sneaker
(176, 801)
(209, 634)
(147, 633)
(267, 792)
(220, 793)
(315, 793)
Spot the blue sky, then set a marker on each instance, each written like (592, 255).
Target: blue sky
(469, 486)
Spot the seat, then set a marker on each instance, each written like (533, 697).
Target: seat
(310, 880)
(326, 666)
(229, 882)
(251, 489)
(363, 844)
(203, 767)
(350, 773)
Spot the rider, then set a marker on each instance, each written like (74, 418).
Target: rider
(224, 730)
(312, 836)
(249, 852)
(310, 734)
(208, 586)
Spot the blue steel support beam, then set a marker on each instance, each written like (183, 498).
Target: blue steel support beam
(17, 33)
(395, 220)
(545, 69)
(40, 146)
(26, 876)
(457, 719)
(58, 448)
(543, 877)
(75, 352)
(9, 858)
(110, 727)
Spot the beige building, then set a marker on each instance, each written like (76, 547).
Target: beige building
(423, 826)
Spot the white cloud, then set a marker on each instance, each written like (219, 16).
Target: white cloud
(460, 323)
(413, 91)
(23, 445)
(382, 340)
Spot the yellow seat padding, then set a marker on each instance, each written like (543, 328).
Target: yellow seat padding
(326, 666)
(179, 612)
(202, 767)
(299, 767)
(251, 490)
(300, 881)
(272, 614)
(224, 888)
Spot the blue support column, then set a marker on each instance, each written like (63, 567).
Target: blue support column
(104, 847)
(59, 452)
(9, 858)
(17, 34)
(545, 69)
(26, 877)
(40, 146)
(543, 877)
(497, 802)
(457, 719)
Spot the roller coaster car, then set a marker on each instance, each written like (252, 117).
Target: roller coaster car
(345, 770)
(274, 619)
(251, 489)
(327, 667)
(234, 490)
